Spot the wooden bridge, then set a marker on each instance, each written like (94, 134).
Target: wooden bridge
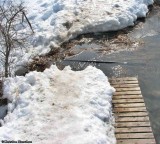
(132, 125)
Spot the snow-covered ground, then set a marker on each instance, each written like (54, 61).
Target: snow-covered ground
(56, 21)
(59, 107)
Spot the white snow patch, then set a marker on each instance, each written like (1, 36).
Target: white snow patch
(59, 107)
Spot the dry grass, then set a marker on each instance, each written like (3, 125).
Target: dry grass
(40, 63)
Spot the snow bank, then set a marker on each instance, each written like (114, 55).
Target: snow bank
(56, 21)
(59, 107)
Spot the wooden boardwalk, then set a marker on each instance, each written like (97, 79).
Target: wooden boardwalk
(132, 125)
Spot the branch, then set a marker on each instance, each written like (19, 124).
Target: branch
(28, 21)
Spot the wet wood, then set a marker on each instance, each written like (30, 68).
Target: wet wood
(128, 89)
(125, 85)
(132, 124)
(124, 79)
(135, 135)
(139, 109)
(130, 105)
(128, 97)
(136, 141)
(131, 117)
(127, 93)
(124, 82)
(127, 101)
(132, 114)
(134, 130)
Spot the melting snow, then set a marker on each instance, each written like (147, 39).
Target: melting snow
(56, 21)
(59, 107)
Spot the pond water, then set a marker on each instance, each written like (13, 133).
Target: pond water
(143, 63)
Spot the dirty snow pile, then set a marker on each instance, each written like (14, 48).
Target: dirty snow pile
(56, 21)
(59, 107)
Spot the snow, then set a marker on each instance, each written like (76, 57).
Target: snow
(56, 21)
(59, 107)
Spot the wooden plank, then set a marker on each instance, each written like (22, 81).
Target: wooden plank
(124, 78)
(127, 101)
(124, 82)
(134, 130)
(128, 89)
(139, 109)
(129, 105)
(132, 124)
(135, 135)
(124, 85)
(132, 119)
(132, 114)
(127, 97)
(136, 141)
(127, 93)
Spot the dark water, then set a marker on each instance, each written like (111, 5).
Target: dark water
(3, 111)
(143, 63)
